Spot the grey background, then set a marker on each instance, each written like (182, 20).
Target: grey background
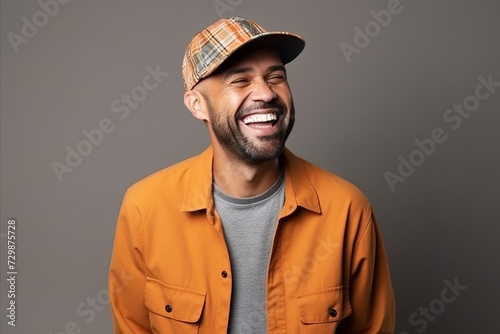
(352, 118)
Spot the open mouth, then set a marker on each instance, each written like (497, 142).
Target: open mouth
(267, 120)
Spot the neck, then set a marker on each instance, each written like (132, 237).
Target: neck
(240, 179)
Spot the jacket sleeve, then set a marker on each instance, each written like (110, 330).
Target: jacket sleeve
(371, 292)
(127, 279)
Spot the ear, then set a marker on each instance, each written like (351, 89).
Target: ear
(195, 102)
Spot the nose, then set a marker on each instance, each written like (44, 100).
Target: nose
(262, 91)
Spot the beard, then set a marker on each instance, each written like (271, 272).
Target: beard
(251, 150)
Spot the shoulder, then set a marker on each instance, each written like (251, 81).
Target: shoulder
(168, 184)
(163, 176)
(329, 186)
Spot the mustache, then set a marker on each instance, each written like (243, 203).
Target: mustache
(274, 105)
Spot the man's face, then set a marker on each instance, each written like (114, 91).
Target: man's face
(251, 111)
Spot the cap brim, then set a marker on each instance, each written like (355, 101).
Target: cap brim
(287, 45)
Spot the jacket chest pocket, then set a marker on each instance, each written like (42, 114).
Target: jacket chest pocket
(322, 311)
(173, 309)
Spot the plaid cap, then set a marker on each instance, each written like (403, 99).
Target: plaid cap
(211, 47)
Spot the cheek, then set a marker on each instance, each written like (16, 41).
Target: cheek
(233, 103)
(236, 98)
(284, 92)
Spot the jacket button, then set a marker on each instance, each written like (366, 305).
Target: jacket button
(333, 312)
(224, 274)
(168, 308)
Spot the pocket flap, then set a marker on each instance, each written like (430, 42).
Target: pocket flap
(322, 306)
(174, 302)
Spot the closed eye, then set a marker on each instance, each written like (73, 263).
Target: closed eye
(240, 81)
(276, 79)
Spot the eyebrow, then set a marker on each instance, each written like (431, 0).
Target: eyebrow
(240, 70)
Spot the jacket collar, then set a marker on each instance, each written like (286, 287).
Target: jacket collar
(199, 189)
(299, 191)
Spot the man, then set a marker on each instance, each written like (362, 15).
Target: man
(246, 237)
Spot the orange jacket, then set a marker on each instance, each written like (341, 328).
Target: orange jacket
(170, 269)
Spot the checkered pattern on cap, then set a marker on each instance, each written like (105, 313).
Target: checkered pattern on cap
(211, 47)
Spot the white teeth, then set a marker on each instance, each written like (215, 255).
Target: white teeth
(259, 118)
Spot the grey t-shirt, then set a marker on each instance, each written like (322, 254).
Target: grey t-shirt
(249, 227)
